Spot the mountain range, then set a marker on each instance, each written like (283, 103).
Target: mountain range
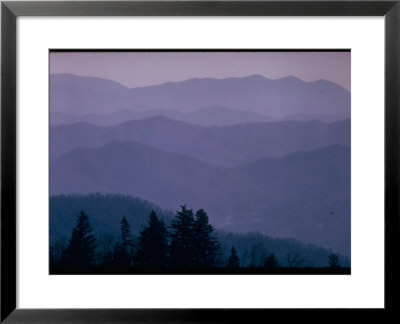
(212, 116)
(272, 99)
(257, 154)
(229, 145)
(305, 195)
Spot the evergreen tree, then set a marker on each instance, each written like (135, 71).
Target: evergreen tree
(271, 262)
(233, 261)
(80, 251)
(333, 261)
(123, 250)
(153, 244)
(205, 245)
(182, 239)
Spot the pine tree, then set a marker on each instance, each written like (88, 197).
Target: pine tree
(182, 239)
(123, 250)
(80, 251)
(270, 261)
(233, 261)
(153, 244)
(205, 245)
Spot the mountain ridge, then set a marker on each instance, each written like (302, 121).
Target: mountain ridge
(219, 145)
(276, 196)
(274, 98)
(249, 77)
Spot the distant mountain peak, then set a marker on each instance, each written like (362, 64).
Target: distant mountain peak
(256, 77)
(254, 93)
(326, 83)
(290, 78)
(70, 77)
(216, 108)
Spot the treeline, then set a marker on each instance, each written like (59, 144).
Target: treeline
(253, 249)
(189, 242)
(105, 212)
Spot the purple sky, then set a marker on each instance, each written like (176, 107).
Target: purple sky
(134, 69)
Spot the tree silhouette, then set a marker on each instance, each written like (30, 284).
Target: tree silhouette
(182, 239)
(333, 261)
(233, 261)
(205, 245)
(153, 244)
(80, 251)
(123, 250)
(270, 261)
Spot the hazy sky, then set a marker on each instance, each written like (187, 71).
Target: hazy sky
(134, 69)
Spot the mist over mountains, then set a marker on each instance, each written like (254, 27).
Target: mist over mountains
(257, 154)
(229, 145)
(212, 116)
(291, 196)
(273, 99)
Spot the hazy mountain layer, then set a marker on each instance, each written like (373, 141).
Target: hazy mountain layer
(229, 145)
(71, 94)
(213, 116)
(305, 195)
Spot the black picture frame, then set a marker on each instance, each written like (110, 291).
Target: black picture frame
(10, 10)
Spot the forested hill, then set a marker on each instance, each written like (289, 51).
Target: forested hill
(105, 212)
(254, 247)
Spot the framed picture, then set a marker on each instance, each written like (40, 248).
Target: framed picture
(172, 161)
(208, 154)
